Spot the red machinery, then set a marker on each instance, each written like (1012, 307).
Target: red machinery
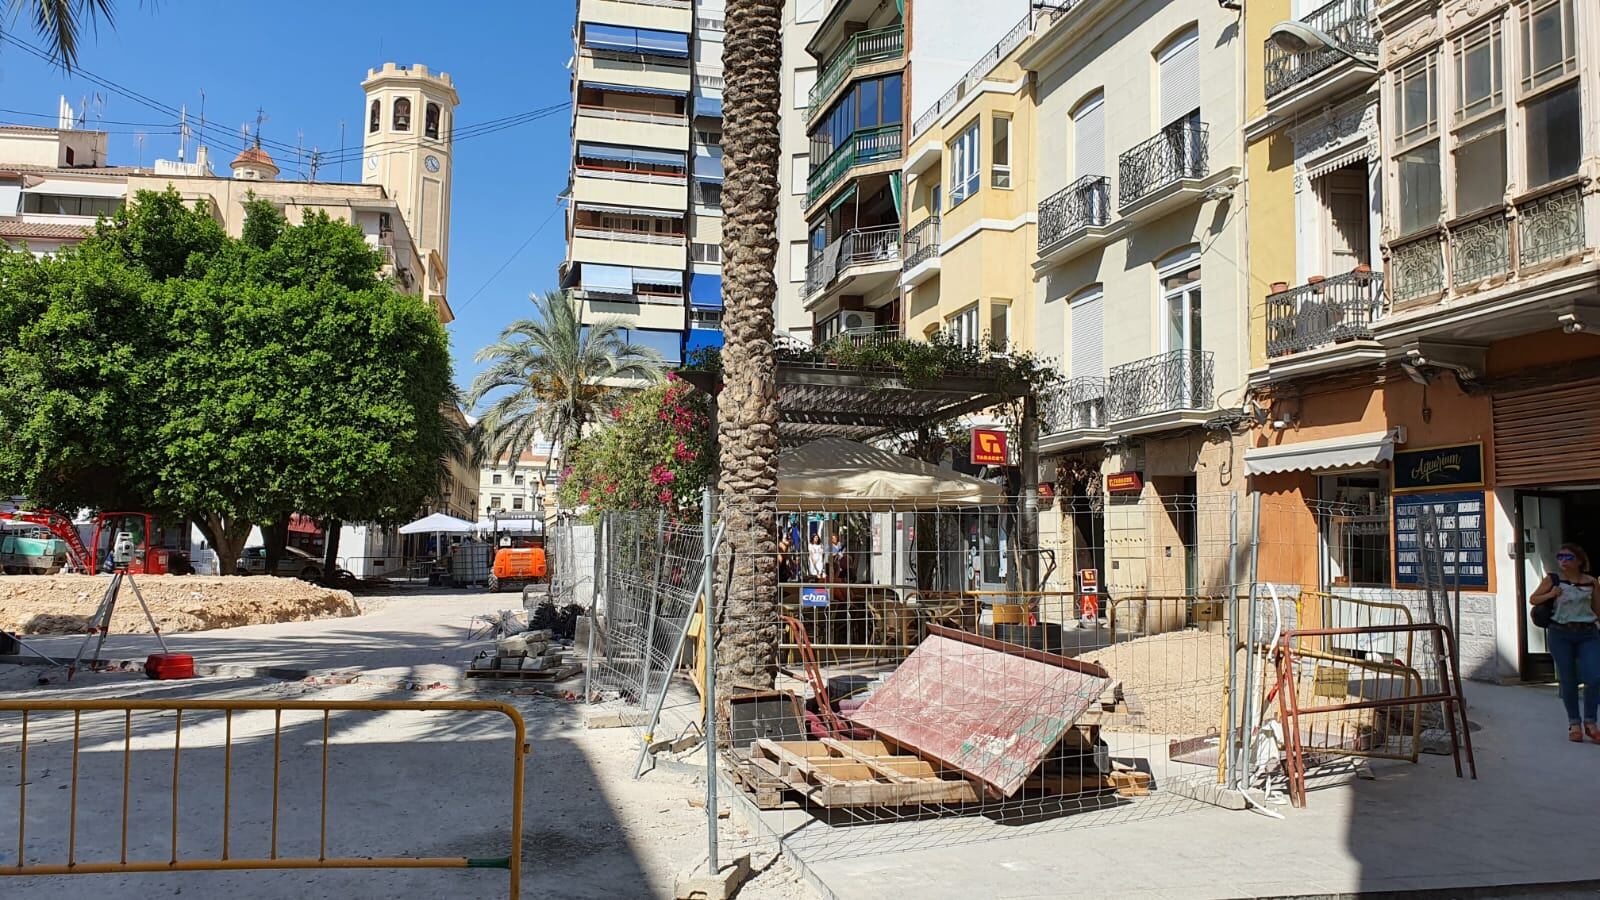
(157, 550)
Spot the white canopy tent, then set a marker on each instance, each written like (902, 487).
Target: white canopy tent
(439, 523)
(836, 475)
(511, 526)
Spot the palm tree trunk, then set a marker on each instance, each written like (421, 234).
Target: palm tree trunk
(748, 633)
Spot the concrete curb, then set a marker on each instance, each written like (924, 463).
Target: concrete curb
(1465, 892)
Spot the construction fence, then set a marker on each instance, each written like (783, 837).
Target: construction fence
(945, 676)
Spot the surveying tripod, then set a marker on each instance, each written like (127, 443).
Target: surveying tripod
(100, 621)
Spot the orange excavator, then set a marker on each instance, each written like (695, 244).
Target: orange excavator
(157, 550)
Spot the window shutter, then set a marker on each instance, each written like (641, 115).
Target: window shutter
(1089, 132)
(1087, 359)
(1180, 79)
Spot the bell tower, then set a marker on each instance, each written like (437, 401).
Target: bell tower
(408, 123)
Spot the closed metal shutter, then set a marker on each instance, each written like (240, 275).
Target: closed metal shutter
(1089, 132)
(1087, 336)
(1548, 435)
(1180, 78)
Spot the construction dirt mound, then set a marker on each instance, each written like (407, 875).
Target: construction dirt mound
(62, 604)
(1176, 679)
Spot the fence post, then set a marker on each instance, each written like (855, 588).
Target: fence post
(655, 600)
(1230, 774)
(708, 644)
(594, 604)
(1247, 718)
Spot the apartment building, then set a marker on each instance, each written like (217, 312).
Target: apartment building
(519, 487)
(1138, 265)
(800, 20)
(869, 55)
(1453, 366)
(55, 182)
(969, 175)
(644, 226)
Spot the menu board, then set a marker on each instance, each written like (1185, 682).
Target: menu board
(1461, 534)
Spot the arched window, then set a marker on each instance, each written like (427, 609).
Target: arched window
(402, 115)
(430, 121)
(372, 121)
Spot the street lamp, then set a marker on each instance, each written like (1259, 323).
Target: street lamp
(1298, 37)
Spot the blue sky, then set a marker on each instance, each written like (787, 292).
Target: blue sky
(302, 63)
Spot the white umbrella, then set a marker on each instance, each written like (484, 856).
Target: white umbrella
(439, 523)
(512, 526)
(836, 475)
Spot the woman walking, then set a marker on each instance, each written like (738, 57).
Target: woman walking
(1574, 637)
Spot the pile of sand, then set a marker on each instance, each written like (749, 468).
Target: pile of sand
(1176, 679)
(62, 604)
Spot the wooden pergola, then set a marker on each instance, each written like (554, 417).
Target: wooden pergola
(819, 398)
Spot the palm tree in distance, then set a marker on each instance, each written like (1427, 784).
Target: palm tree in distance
(748, 632)
(58, 22)
(558, 375)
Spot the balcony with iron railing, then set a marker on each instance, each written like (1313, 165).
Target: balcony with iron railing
(1071, 212)
(869, 145)
(1078, 406)
(862, 248)
(1177, 381)
(922, 247)
(1486, 248)
(1324, 313)
(871, 336)
(875, 45)
(1347, 22)
(1178, 154)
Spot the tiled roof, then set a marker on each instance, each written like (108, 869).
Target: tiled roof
(16, 228)
(254, 155)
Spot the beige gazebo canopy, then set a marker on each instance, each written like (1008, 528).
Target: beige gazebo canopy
(836, 475)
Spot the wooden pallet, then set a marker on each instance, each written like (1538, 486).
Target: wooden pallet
(835, 773)
(1124, 780)
(559, 673)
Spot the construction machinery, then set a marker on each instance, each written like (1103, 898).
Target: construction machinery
(156, 549)
(519, 557)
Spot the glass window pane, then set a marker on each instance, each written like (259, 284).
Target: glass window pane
(1478, 72)
(868, 91)
(1544, 44)
(1419, 186)
(1481, 166)
(1002, 142)
(891, 100)
(1554, 144)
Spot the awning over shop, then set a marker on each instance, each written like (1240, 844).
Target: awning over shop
(708, 168)
(705, 291)
(837, 475)
(598, 279)
(658, 277)
(702, 339)
(1314, 456)
(633, 89)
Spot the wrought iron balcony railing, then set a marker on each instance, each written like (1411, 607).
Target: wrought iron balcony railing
(1179, 152)
(1550, 227)
(865, 146)
(1079, 405)
(1348, 22)
(1081, 204)
(1416, 268)
(1480, 249)
(864, 246)
(874, 45)
(1341, 308)
(1167, 382)
(922, 242)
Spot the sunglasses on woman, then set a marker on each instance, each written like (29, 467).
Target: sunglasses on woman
(1565, 557)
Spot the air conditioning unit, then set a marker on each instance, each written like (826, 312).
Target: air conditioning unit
(856, 321)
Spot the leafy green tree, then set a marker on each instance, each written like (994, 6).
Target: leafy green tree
(551, 374)
(655, 454)
(230, 381)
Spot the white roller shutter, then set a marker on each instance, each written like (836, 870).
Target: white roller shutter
(1180, 78)
(1089, 138)
(1087, 336)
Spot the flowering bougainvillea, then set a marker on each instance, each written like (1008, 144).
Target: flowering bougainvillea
(655, 454)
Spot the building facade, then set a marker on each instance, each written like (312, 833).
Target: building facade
(1138, 281)
(1429, 345)
(644, 217)
(521, 487)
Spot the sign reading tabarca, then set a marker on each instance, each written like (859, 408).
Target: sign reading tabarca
(989, 447)
(1124, 483)
(1438, 468)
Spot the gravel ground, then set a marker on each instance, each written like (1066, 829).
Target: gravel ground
(62, 604)
(1176, 678)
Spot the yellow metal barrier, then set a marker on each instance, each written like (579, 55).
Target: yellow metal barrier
(73, 866)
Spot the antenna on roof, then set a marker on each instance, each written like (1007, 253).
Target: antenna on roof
(341, 149)
(316, 162)
(138, 140)
(183, 131)
(261, 116)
